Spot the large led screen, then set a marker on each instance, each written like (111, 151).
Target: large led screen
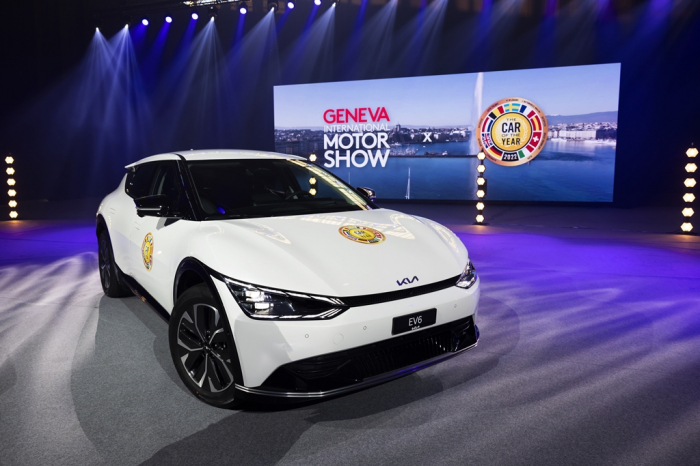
(548, 134)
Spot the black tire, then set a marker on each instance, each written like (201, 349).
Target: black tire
(202, 348)
(110, 275)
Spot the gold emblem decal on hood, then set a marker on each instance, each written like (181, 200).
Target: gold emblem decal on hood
(360, 234)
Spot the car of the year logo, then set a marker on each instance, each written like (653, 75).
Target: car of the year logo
(279, 280)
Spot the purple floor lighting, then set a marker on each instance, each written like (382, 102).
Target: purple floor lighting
(583, 358)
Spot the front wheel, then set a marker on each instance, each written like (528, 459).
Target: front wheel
(201, 345)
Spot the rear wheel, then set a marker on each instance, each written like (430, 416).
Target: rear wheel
(201, 345)
(110, 276)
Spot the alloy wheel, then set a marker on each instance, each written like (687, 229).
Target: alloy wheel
(105, 263)
(203, 348)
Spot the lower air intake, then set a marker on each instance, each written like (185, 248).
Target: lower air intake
(346, 368)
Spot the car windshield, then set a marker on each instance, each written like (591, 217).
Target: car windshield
(267, 188)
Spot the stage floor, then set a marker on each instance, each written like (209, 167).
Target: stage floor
(589, 354)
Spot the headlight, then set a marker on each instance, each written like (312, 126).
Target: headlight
(265, 303)
(468, 277)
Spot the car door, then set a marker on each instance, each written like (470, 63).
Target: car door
(158, 243)
(138, 183)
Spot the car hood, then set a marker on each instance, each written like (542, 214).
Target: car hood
(307, 253)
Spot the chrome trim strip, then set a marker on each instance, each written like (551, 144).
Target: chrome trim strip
(364, 384)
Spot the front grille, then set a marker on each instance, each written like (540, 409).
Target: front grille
(345, 368)
(366, 300)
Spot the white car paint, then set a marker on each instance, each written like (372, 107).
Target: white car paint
(302, 253)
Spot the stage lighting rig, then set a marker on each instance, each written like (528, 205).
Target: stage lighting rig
(195, 15)
(11, 193)
(168, 19)
(291, 4)
(480, 189)
(212, 13)
(317, 2)
(689, 197)
(272, 6)
(243, 8)
(144, 21)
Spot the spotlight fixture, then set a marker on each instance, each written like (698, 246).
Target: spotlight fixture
(213, 13)
(195, 15)
(481, 189)
(11, 193)
(144, 21)
(290, 4)
(168, 19)
(317, 2)
(243, 9)
(272, 6)
(689, 197)
(97, 29)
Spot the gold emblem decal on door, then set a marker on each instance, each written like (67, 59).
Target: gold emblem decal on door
(147, 251)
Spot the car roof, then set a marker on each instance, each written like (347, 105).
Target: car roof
(218, 154)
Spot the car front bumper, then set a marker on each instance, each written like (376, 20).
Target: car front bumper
(321, 358)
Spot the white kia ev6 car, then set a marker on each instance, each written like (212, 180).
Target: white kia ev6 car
(279, 280)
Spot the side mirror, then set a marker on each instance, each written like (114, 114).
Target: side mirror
(153, 206)
(368, 193)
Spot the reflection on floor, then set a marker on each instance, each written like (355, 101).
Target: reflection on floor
(590, 354)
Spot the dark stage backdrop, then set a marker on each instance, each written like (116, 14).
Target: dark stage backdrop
(76, 105)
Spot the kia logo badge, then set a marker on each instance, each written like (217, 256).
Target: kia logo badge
(407, 281)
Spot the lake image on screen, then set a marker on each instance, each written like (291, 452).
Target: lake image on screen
(574, 171)
(433, 126)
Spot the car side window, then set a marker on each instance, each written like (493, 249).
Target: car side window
(139, 180)
(167, 182)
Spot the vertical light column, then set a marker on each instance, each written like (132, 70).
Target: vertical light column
(11, 182)
(689, 196)
(480, 189)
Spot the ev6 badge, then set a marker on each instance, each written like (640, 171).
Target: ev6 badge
(512, 131)
(360, 234)
(147, 251)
